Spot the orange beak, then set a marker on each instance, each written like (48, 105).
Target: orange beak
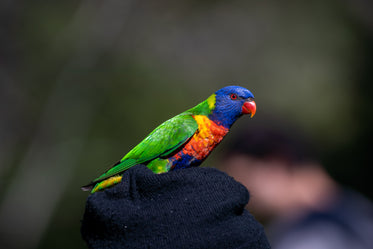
(249, 107)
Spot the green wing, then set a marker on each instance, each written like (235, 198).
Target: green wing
(162, 141)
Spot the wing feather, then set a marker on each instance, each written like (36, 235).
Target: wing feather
(164, 140)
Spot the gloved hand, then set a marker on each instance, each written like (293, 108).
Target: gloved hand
(190, 208)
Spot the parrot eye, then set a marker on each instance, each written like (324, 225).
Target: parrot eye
(233, 96)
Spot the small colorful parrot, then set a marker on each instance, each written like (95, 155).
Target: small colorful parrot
(186, 139)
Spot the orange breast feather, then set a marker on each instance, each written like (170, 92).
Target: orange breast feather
(208, 135)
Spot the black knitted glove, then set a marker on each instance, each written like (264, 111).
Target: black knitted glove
(190, 208)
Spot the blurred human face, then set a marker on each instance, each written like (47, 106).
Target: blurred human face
(268, 181)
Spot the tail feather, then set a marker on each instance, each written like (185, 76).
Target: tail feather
(88, 187)
(98, 186)
(95, 182)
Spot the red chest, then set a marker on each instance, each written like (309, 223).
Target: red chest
(208, 135)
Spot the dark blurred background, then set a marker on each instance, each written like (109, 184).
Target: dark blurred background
(81, 82)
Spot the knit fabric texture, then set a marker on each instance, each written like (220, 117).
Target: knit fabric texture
(189, 208)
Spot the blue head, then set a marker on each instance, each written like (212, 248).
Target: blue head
(230, 103)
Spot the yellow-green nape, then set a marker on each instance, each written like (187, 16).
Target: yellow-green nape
(211, 101)
(107, 183)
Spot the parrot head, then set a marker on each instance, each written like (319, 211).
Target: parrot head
(231, 102)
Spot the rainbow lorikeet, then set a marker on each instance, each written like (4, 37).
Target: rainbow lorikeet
(186, 139)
